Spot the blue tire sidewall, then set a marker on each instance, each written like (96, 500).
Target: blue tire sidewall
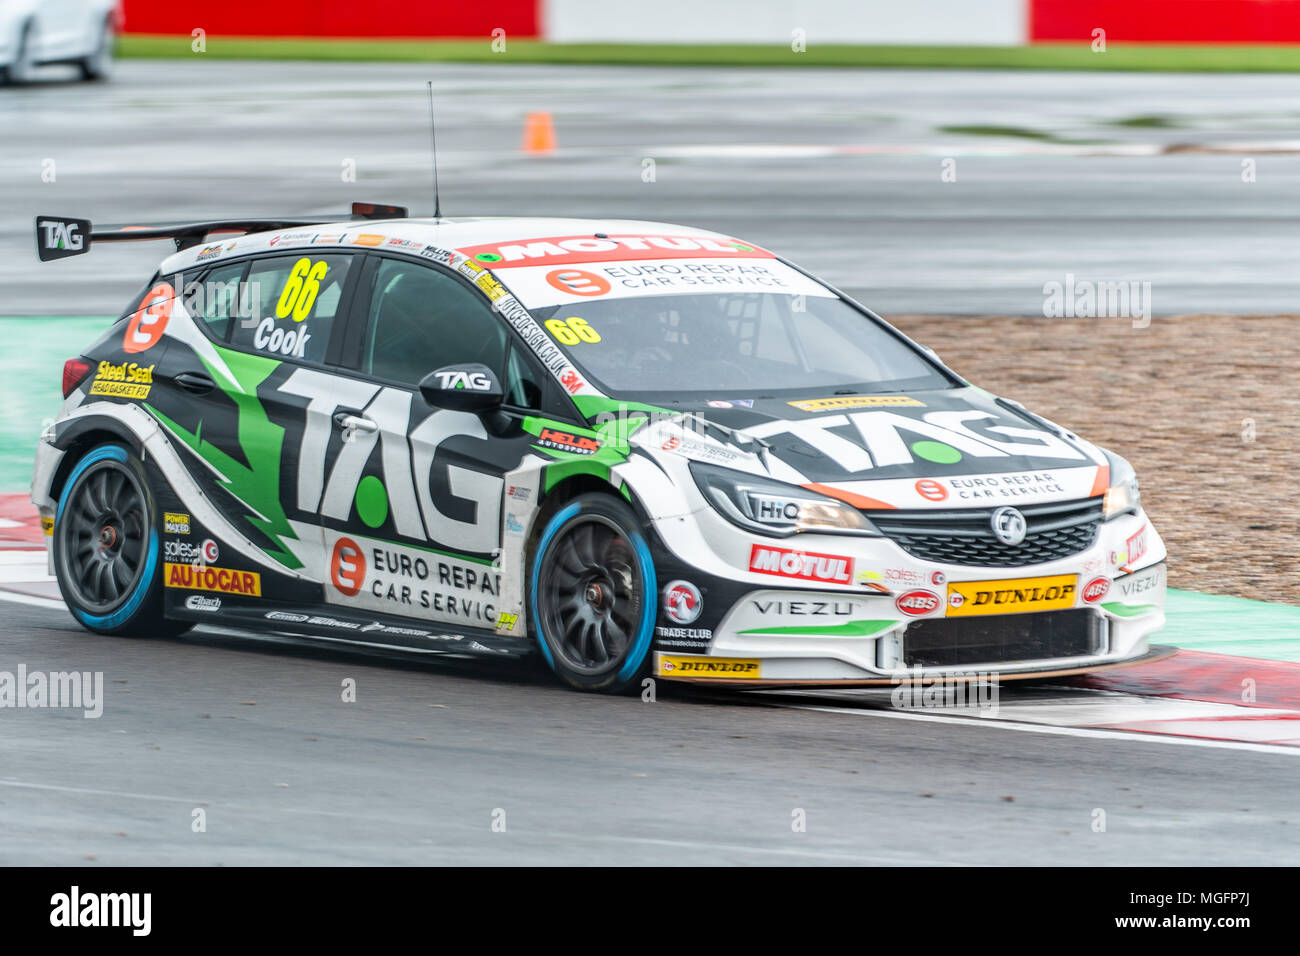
(645, 632)
(106, 622)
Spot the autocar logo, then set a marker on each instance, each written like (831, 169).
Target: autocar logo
(1009, 526)
(682, 602)
(1095, 590)
(916, 603)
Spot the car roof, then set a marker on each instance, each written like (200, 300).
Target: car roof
(455, 234)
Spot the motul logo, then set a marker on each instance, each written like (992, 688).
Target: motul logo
(805, 565)
(916, 603)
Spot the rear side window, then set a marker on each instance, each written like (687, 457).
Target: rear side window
(216, 298)
(295, 300)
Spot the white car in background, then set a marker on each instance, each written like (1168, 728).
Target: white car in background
(34, 33)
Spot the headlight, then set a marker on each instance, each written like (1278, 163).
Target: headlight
(773, 507)
(1122, 496)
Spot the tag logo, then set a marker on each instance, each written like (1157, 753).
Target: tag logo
(475, 381)
(63, 236)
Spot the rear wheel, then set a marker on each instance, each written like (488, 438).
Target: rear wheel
(23, 67)
(106, 549)
(593, 596)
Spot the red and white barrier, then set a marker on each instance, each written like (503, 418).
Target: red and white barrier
(943, 22)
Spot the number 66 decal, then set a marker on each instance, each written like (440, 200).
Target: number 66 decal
(571, 331)
(150, 321)
(301, 289)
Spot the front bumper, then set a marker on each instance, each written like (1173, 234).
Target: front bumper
(880, 615)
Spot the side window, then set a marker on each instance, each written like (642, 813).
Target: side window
(421, 319)
(525, 380)
(294, 302)
(215, 298)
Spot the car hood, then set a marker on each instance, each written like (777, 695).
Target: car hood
(944, 448)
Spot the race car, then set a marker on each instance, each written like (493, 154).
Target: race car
(34, 33)
(635, 449)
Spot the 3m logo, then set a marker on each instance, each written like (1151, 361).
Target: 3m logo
(348, 567)
(804, 565)
(571, 381)
(191, 578)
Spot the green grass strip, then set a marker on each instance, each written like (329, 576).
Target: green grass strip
(1047, 56)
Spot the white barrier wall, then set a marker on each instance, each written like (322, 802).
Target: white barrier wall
(974, 22)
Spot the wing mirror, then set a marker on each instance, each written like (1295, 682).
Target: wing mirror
(463, 388)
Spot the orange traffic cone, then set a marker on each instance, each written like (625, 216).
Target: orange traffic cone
(539, 133)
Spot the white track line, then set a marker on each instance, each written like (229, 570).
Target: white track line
(1130, 736)
(49, 603)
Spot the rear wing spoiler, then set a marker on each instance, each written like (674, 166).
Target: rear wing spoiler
(58, 237)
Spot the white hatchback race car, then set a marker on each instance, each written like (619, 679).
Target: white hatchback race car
(632, 448)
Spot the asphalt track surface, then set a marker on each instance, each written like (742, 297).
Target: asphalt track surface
(417, 770)
(744, 151)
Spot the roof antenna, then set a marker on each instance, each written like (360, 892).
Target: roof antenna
(433, 144)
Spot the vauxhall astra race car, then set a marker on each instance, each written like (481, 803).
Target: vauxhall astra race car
(632, 448)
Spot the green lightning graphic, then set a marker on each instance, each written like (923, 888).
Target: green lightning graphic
(255, 485)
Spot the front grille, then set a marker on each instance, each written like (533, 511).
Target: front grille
(966, 536)
(1003, 638)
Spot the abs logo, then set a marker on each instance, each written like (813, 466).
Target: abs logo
(577, 282)
(916, 603)
(1095, 590)
(348, 567)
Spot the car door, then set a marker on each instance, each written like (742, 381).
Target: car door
(417, 522)
(244, 395)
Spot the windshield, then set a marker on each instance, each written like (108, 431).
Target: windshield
(748, 344)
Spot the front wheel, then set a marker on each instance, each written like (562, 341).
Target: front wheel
(593, 596)
(106, 549)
